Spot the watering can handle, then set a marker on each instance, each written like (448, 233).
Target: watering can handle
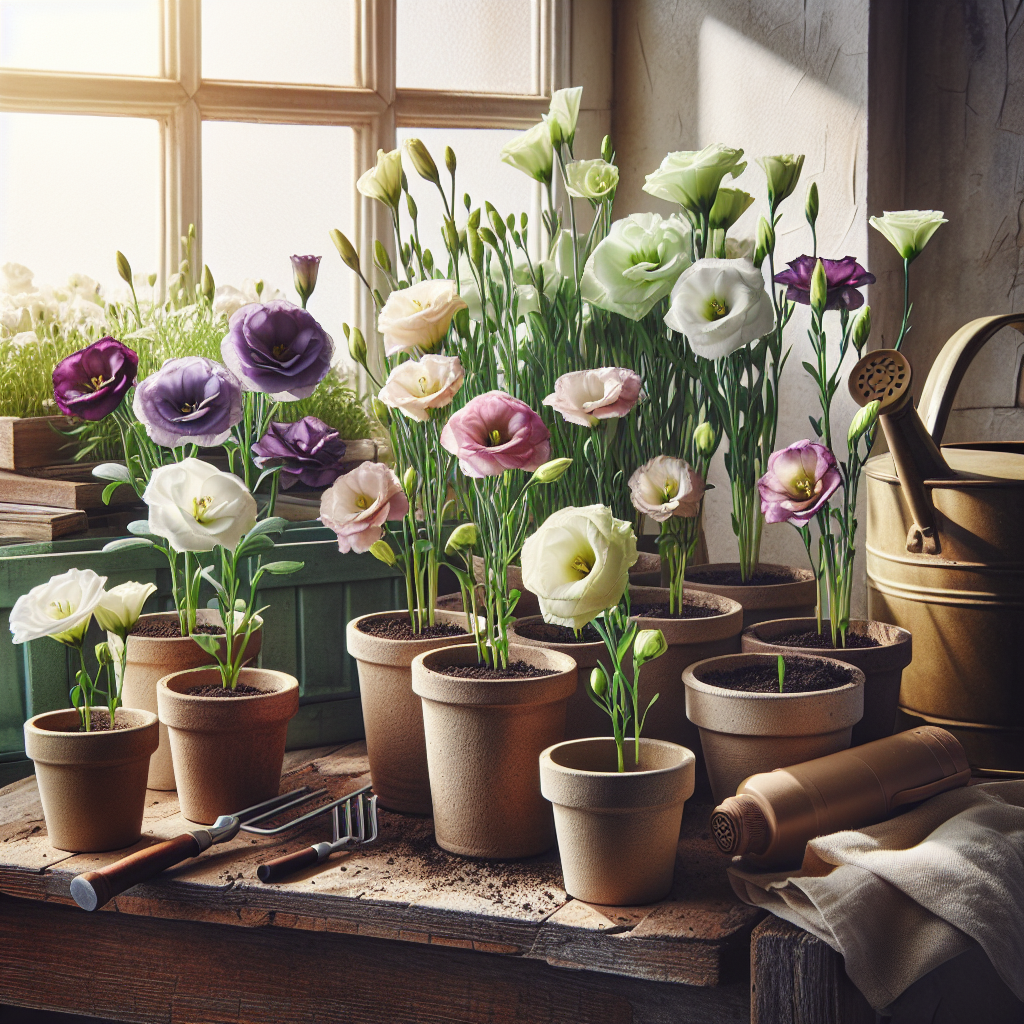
(951, 364)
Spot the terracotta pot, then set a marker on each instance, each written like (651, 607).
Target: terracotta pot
(617, 831)
(152, 658)
(92, 784)
(484, 739)
(392, 713)
(227, 751)
(743, 734)
(760, 603)
(882, 666)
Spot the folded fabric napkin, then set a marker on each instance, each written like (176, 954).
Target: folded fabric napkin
(900, 898)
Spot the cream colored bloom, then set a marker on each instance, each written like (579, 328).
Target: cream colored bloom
(531, 153)
(121, 606)
(418, 317)
(728, 207)
(720, 305)
(60, 608)
(595, 180)
(666, 487)
(585, 397)
(578, 562)
(783, 173)
(359, 503)
(909, 230)
(16, 279)
(691, 179)
(196, 507)
(383, 181)
(419, 385)
(564, 110)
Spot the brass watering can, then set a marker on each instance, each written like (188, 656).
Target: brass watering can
(945, 553)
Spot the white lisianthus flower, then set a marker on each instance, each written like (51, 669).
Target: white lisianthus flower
(418, 317)
(87, 287)
(16, 279)
(729, 205)
(121, 606)
(60, 608)
(383, 181)
(739, 248)
(24, 338)
(720, 305)
(585, 397)
(196, 507)
(636, 264)
(782, 172)
(564, 110)
(578, 562)
(591, 179)
(908, 230)
(665, 487)
(531, 153)
(691, 178)
(82, 312)
(227, 299)
(419, 385)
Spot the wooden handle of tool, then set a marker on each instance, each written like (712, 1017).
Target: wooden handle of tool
(94, 888)
(275, 870)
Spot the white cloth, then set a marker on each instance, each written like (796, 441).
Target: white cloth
(900, 898)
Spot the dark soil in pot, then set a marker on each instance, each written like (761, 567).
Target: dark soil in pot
(812, 640)
(514, 670)
(163, 630)
(216, 690)
(804, 676)
(401, 629)
(686, 611)
(549, 633)
(731, 577)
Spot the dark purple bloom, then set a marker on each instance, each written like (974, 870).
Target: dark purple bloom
(844, 277)
(91, 383)
(277, 348)
(189, 401)
(304, 271)
(308, 452)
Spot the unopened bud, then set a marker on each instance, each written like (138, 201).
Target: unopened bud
(346, 250)
(124, 268)
(862, 423)
(259, 288)
(496, 222)
(449, 159)
(381, 550)
(607, 152)
(464, 537)
(152, 280)
(103, 655)
(555, 131)
(411, 204)
(475, 247)
(487, 237)
(381, 412)
(819, 288)
(551, 471)
(357, 346)
(422, 160)
(208, 286)
(811, 206)
(409, 481)
(649, 644)
(862, 329)
(381, 257)
(598, 681)
(704, 438)
(473, 221)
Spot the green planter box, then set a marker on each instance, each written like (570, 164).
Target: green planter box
(304, 631)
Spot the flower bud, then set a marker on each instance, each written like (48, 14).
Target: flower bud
(357, 346)
(473, 221)
(811, 206)
(449, 159)
(555, 131)
(648, 645)
(704, 439)
(409, 481)
(598, 681)
(765, 236)
(487, 237)
(496, 222)
(819, 288)
(475, 247)
(381, 550)
(450, 233)
(103, 655)
(304, 275)
(381, 257)
(208, 287)
(151, 280)
(124, 268)
(422, 160)
(259, 287)
(783, 173)
(380, 411)
(607, 153)
(551, 471)
(862, 329)
(346, 250)
(411, 204)
(463, 538)
(862, 423)
(183, 268)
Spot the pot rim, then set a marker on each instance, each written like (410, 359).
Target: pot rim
(77, 737)
(555, 645)
(900, 649)
(690, 677)
(548, 761)
(806, 575)
(289, 681)
(90, 750)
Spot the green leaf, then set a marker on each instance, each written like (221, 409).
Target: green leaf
(251, 546)
(128, 544)
(283, 568)
(207, 574)
(108, 491)
(275, 524)
(815, 425)
(140, 527)
(76, 695)
(112, 471)
(210, 644)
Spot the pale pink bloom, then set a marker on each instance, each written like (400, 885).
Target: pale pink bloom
(799, 482)
(419, 385)
(358, 503)
(495, 432)
(666, 487)
(586, 396)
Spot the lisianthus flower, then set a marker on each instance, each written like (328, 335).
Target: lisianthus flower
(418, 317)
(304, 273)
(691, 179)
(383, 181)
(909, 230)
(91, 383)
(587, 396)
(359, 503)
(844, 277)
(419, 385)
(61, 608)
(531, 153)
(799, 481)
(307, 451)
(495, 432)
(665, 487)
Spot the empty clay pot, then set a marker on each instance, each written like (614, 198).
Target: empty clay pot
(152, 658)
(745, 733)
(392, 713)
(763, 602)
(92, 784)
(484, 739)
(617, 831)
(227, 751)
(882, 666)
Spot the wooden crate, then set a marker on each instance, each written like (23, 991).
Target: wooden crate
(28, 442)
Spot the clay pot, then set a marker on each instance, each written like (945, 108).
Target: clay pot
(617, 831)
(760, 603)
(484, 739)
(92, 784)
(392, 713)
(227, 751)
(152, 658)
(743, 734)
(882, 666)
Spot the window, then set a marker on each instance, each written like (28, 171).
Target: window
(123, 121)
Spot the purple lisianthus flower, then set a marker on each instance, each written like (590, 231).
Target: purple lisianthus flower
(192, 400)
(91, 383)
(798, 484)
(304, 271)
(844, 277)
(277, 348)
(308, 452)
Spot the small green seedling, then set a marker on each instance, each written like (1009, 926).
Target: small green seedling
(782, 672)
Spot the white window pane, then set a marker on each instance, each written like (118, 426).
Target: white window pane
(467, 45)
(271, 191)
(113, 37)
(479, 173)
(302, 41)
(74, 190)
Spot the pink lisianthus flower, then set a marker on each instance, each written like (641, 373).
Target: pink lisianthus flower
(358, 504)
(495, 432)
(586, 396)
(798, 484)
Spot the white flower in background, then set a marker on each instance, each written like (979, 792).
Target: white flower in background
(87, 287)
(531, 153)
(419, 385)
(357, 505)
(81, 312)
(564, 110)
(729, 205)
(782, 172)
(578, 562)
(383, 181)
(120, 607)
(636, 264)
(720, 305)
(562, 255)
(418, 317)
(591, 179)
(16, 279)
(25, 338)
(665, 487)
(585, 397)
(195, 506)
(227, 299)
(909, 230)
(691, 178)
(60, 608)
(739, 248)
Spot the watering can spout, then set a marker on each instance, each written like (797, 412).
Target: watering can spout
(884, 376)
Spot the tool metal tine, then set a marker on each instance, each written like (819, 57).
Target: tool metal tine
(299, 797)
(373, 819)
(274, 802)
